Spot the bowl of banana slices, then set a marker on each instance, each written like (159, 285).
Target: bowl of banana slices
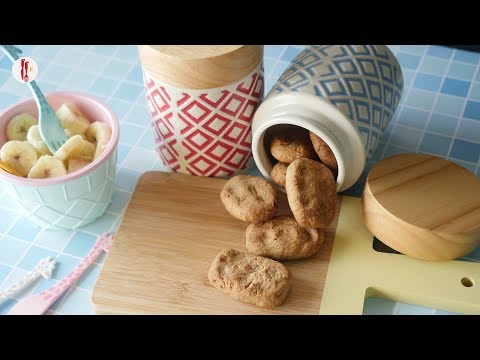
(73, 186)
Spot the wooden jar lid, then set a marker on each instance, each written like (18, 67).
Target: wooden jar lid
(423, 206)
(200, 66)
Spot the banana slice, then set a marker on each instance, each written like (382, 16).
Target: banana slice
(19, 125)
(75, 146)
(88, 150)
(99, 134)
(34, 138)
(76, 163)
(72, 119)
(19, 155)
(88, 159)
(69, 134)
(47, 167)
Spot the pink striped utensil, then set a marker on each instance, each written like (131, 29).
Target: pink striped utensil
(39, 303)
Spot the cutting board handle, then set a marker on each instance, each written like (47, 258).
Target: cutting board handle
(357, 272)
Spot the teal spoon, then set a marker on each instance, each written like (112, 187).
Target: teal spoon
(51, 129)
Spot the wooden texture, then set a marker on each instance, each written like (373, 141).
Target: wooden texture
(200, 66)
(356, 271)
(423, 206)
(173, 228)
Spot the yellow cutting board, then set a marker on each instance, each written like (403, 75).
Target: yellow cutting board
(357, 271)
(176, 224)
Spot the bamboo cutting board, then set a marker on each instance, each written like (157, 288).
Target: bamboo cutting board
(173, 228)
(175, 225)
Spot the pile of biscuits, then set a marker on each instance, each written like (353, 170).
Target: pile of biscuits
(307, 169)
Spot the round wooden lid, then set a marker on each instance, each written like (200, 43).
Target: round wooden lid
(182, 52)
(424, 206)
(200, 66)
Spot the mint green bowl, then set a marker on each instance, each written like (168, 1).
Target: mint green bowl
(74, 200)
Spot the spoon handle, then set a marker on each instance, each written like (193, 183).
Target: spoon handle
(11, 51)
(40, 99)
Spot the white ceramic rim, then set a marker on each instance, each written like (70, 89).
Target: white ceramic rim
(82, 172)
(312, 103)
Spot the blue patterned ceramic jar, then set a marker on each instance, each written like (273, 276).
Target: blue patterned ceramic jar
(74, 200)
(346, 94)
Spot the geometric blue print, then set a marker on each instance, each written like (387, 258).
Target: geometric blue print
(363, 111)
(375, 90)
(388, 96)
(344, 105)
(368, 67)
(295, 79)
(386, 72)
(383, 54)
(359, 50)
(364, 81)
(376, 116)
(356, 87)
(346, 66)
(333, 87)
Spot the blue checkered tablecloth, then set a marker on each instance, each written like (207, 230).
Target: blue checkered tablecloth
(439, 114)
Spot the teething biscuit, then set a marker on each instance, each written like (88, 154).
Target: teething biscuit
(250, 278)
(282, 238)
(278, 173)
(311, 193)
(249, 198)
(324, 153)
(290, 143)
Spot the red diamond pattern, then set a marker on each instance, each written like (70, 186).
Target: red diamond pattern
(214, 102)
(149, 83)
(246, 87)
(191, 151)
(172, 145)
(186, 125)
(164, 92)
(219, 150)
(222, 171)
(247, 159)
(184, 98)
(163, 130)
(151, 107)
(235, 133)
(247, 139)
(248, 110)
(159, 101)
(258, 89)
(204, 133)
(233, 104)
(199, 139)
(237, 158)
(202, 165)
(168, 120)
(167, 156)
(196, 111)
(217, 124)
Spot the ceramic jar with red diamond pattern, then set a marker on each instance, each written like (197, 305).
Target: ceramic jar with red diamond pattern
(201, 101)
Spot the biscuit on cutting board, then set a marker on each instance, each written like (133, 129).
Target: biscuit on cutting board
(250, 278)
